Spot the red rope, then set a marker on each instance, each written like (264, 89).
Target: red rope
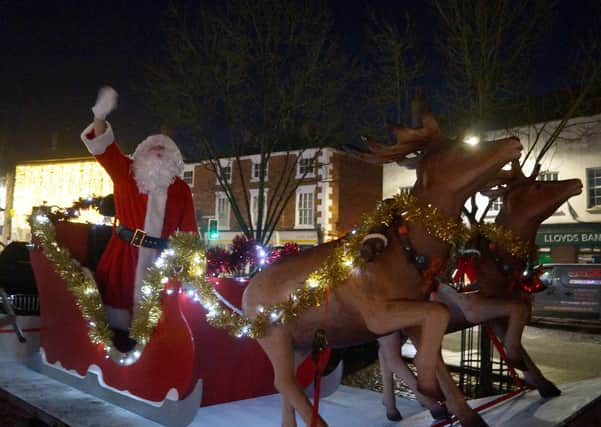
(516, 380)
(485, 406)
(495, 340)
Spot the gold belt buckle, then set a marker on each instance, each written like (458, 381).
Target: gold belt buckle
(138, 238)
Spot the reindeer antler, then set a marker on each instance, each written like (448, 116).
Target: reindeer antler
(408, 140)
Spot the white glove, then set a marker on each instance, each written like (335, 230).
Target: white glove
(105, 103)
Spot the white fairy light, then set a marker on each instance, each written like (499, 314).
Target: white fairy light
(260, 309)
(164, 279)
(146, 290)
(312, 283)
(42, 219)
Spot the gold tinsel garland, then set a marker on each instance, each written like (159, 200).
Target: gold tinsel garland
(185, 261)
(333, 271)
(504, 238)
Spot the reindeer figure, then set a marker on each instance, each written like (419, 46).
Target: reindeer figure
(389, 293)
(526, 204)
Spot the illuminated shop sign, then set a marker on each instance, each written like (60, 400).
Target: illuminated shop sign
(589, 235)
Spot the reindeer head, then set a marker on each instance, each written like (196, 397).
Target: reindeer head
(529, 201)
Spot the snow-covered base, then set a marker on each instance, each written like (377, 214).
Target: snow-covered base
(347, 407)
(352, 407)
(168, 412)
(11, 350)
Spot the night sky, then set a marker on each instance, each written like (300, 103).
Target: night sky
(56, 54)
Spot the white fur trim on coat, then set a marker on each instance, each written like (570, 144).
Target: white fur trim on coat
(99, 143)
(153, 225)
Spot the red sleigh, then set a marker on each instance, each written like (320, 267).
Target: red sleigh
(187, 363)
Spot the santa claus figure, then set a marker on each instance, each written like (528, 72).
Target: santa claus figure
(151, 203)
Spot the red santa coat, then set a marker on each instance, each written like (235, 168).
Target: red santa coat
(122, 266)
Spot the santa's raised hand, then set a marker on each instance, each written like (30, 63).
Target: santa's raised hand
(105, 103)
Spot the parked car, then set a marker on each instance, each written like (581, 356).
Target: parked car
(16, 278)
(573, 290)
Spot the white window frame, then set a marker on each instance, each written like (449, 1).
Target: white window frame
(310, 156)
(188, 170)
(254, 193)
(225, 164)
(495, 206)
(405, 190)
(548, 176)
(302, 190)
(257, 165)
(593, 191)
(224, 223)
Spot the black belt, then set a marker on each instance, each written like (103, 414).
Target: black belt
(139, 238)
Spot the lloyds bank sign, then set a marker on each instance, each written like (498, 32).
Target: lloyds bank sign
(584, 234)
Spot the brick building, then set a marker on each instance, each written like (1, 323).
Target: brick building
(329, 201)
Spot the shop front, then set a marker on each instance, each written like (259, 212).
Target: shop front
(569, 243)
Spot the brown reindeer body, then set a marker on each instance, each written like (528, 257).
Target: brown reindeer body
(340, 316)
(389, 293)
(527, 203)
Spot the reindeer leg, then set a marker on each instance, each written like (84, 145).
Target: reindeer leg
(277, 344)
(389, 401)
(454, 398)
(384, 318)
(391, 361)
(288, 413)
(478, 309)
(533, 375)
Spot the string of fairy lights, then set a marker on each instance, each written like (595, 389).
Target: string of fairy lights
(185, 260)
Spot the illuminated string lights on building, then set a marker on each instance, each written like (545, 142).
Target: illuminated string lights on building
(59, 184)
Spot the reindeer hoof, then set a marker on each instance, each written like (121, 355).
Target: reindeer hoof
(440, 413)
(394, 415)
(547, 389)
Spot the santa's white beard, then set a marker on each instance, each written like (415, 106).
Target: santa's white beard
(152, 172)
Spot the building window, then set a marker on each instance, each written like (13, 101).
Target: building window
(226, 173)
(254, 205)
(222, 210)
(256, 171)
(305, 206)
(189, 177)
(593, 184)
(548, 176)
(496, 205)
(405, 190)
(306, 168)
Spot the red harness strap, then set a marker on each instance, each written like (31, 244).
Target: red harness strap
(320, 357)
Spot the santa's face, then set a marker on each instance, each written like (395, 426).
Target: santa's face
(157, 161)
